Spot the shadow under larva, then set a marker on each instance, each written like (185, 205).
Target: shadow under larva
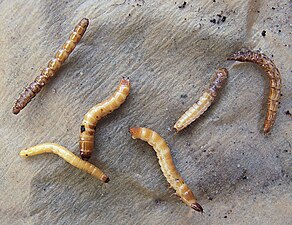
(53, 66)
(167, 165)
(275, 82)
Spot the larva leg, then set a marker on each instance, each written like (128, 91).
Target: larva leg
(53, 66)
(98, 111)
(275, 82)
(67, 156)
(167, 166)
(204, 101)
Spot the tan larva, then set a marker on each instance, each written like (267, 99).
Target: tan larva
(204, 101)
(67, 156)
(275, 82)
(97, 112)
(53, 66)
(167, 166)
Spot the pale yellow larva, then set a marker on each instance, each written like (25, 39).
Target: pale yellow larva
(204, 101)
(167, 166)
(67, 156)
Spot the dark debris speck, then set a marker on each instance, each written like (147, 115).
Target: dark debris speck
(288, 113)
(183, 5)
(264, 33)
(213, 21)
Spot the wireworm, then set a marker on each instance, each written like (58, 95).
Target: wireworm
(67, 156)
(204, 101)
(275, 81)
(97, 112)
(167, 166)
(53, 66)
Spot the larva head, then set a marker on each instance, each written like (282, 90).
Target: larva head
(85, 155)
(135, 132)
(84, 22)
(222, 74)
(197, 207)
(125, 81)
(25, 153)
(240, 55)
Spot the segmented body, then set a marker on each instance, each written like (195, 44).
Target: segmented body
(204, 101)
(53, 66)
(167, 166)
(275, 82)
(98, 111)
(67, 156)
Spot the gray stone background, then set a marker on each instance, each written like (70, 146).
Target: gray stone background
(169, 53)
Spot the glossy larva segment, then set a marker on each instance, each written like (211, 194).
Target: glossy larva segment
(167, 165)
(67, 156)
(204, 102)
(53, 66)
(273, 74)
(98, 111)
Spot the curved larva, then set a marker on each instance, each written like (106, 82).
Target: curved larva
(67, 156)
(204, 101)
(98, 111)
(167, 166)
(53, 66)
(275, 82)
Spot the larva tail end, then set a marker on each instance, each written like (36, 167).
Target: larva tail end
(223, 72)
(135, 131)
(197, 207)
(176, 128)
(15, 110)
(84, 156)
(267, 130)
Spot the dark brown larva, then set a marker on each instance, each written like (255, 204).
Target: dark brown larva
(53, 66)
(275, 81)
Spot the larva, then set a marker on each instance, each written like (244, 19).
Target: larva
(167, 166)
(67, 156)
(53, 66)
(98, 111)
(204, 101)
(275, 82)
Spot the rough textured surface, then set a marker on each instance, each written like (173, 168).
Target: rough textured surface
(169, 53)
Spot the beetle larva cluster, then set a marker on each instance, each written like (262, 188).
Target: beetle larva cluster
(88, 125)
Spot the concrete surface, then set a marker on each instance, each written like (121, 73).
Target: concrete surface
(169, 53)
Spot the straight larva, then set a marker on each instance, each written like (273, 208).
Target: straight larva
(204, 101)
(275, 82)
(167, 166)
(53, 66)
(67, 156)
(98, 111)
